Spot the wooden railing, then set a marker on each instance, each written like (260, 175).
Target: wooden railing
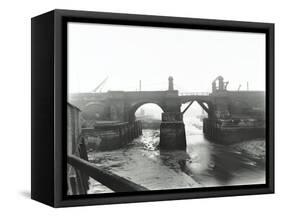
(108, 179)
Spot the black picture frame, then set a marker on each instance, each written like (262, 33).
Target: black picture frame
(49, 94)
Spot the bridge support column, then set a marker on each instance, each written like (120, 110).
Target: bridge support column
(172, 132)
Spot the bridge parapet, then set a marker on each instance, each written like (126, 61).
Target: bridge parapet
(206, 98)
(194, 94)
(151, 94)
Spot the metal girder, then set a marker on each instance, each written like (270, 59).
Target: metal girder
(187, 107)
(204, 107)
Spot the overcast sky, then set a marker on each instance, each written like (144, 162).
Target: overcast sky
(127, 54)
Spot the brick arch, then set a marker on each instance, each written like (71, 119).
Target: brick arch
(134, 107)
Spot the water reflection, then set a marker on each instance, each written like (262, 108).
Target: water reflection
(216, 164)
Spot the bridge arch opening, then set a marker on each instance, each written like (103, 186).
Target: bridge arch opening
(193, 114)
(150, 114)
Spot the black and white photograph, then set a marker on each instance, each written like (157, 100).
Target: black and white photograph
(140, 108)
(155, 108)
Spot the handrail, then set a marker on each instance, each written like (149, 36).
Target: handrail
(110, 180)
(194, 94)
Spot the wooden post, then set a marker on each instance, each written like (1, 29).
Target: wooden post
(84, 179)
(72, 181)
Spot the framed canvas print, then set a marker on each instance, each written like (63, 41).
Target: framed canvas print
(130, 108)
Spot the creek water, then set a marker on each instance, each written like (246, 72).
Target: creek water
(204, 164)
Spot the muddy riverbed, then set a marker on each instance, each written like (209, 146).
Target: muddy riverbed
(204, 163)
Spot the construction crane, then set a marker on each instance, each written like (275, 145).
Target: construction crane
(100, 85)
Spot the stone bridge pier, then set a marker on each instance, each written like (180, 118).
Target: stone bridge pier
(172, 132)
